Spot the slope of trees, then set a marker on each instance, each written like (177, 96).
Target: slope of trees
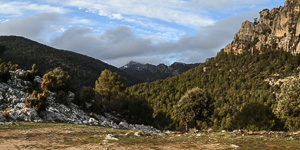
(82, 69)
(232, 81)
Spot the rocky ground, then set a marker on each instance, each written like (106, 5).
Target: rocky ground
(12, 108)
(26, 135)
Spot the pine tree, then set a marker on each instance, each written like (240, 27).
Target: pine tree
(194, 104)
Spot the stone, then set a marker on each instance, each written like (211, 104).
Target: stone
(111, 137)
(210, 130)
(137, 134)
(2, 118)
(127, 134)
(38, 80)
(234, 146)
(13, 95)
(124, 124)
(93, 121)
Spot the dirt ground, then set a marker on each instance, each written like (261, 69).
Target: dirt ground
(76, 137)
(48, 136)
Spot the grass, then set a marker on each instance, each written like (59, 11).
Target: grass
(61, 136)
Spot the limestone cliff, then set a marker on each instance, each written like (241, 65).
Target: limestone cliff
(276, 29)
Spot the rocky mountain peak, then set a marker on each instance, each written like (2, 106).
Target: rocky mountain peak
(149, 72)
(291, 3)
(277, 29)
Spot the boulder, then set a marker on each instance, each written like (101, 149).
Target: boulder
(124, 124)
(111, 137)
(93, 121)
(31, 114)
(2, 118)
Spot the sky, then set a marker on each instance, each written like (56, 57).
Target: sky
(119, 31)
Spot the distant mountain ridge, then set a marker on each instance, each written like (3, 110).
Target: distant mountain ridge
(149, 72)
(83, 70)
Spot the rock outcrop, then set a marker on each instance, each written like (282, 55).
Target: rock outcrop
(12, 107)
(278, 29)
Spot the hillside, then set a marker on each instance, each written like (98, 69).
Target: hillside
(240, 79)
(231, 80)
(83, 70)
(149, 73)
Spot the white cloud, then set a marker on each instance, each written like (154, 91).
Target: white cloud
(119, 45)
(34, 27)
(15, 8)
(147, 38)
(225, 5)
(175, 11)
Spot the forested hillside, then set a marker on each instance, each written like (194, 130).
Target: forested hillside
(232, 82)
(83, 70)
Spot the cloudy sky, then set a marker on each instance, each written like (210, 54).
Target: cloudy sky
(118, 31)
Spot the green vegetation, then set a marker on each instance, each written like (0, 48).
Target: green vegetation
(254, 117)
(235, 91)
(232, 81)
(4, 70)
(37, 100)
(56, 80)
(110, 92)
(288, 106)
(194, 104)
(82, 69)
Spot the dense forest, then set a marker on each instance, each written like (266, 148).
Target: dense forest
(226, 92)
(82, 69)
(236, 84)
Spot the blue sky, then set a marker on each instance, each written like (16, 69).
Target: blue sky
(118, 31)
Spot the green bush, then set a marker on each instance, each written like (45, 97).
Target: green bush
(37, 101)
(255, 117)
(56, 80)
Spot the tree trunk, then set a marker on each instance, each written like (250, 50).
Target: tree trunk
(186, 126)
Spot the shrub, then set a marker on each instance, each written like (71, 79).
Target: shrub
(288, 103)
(37, 100)
(56, 80)
(254, 116)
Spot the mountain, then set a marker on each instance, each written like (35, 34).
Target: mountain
(244, 80)
(83, 70)
(278, 29)
(148, 72)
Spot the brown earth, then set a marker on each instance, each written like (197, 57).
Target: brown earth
(48, 136)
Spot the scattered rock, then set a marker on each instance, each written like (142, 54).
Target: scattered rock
(210, 130)
(111, 137)
(13, 95)
(2, 118)
(234, 146)
(124, 124)
(128, 134)
(137, 134)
